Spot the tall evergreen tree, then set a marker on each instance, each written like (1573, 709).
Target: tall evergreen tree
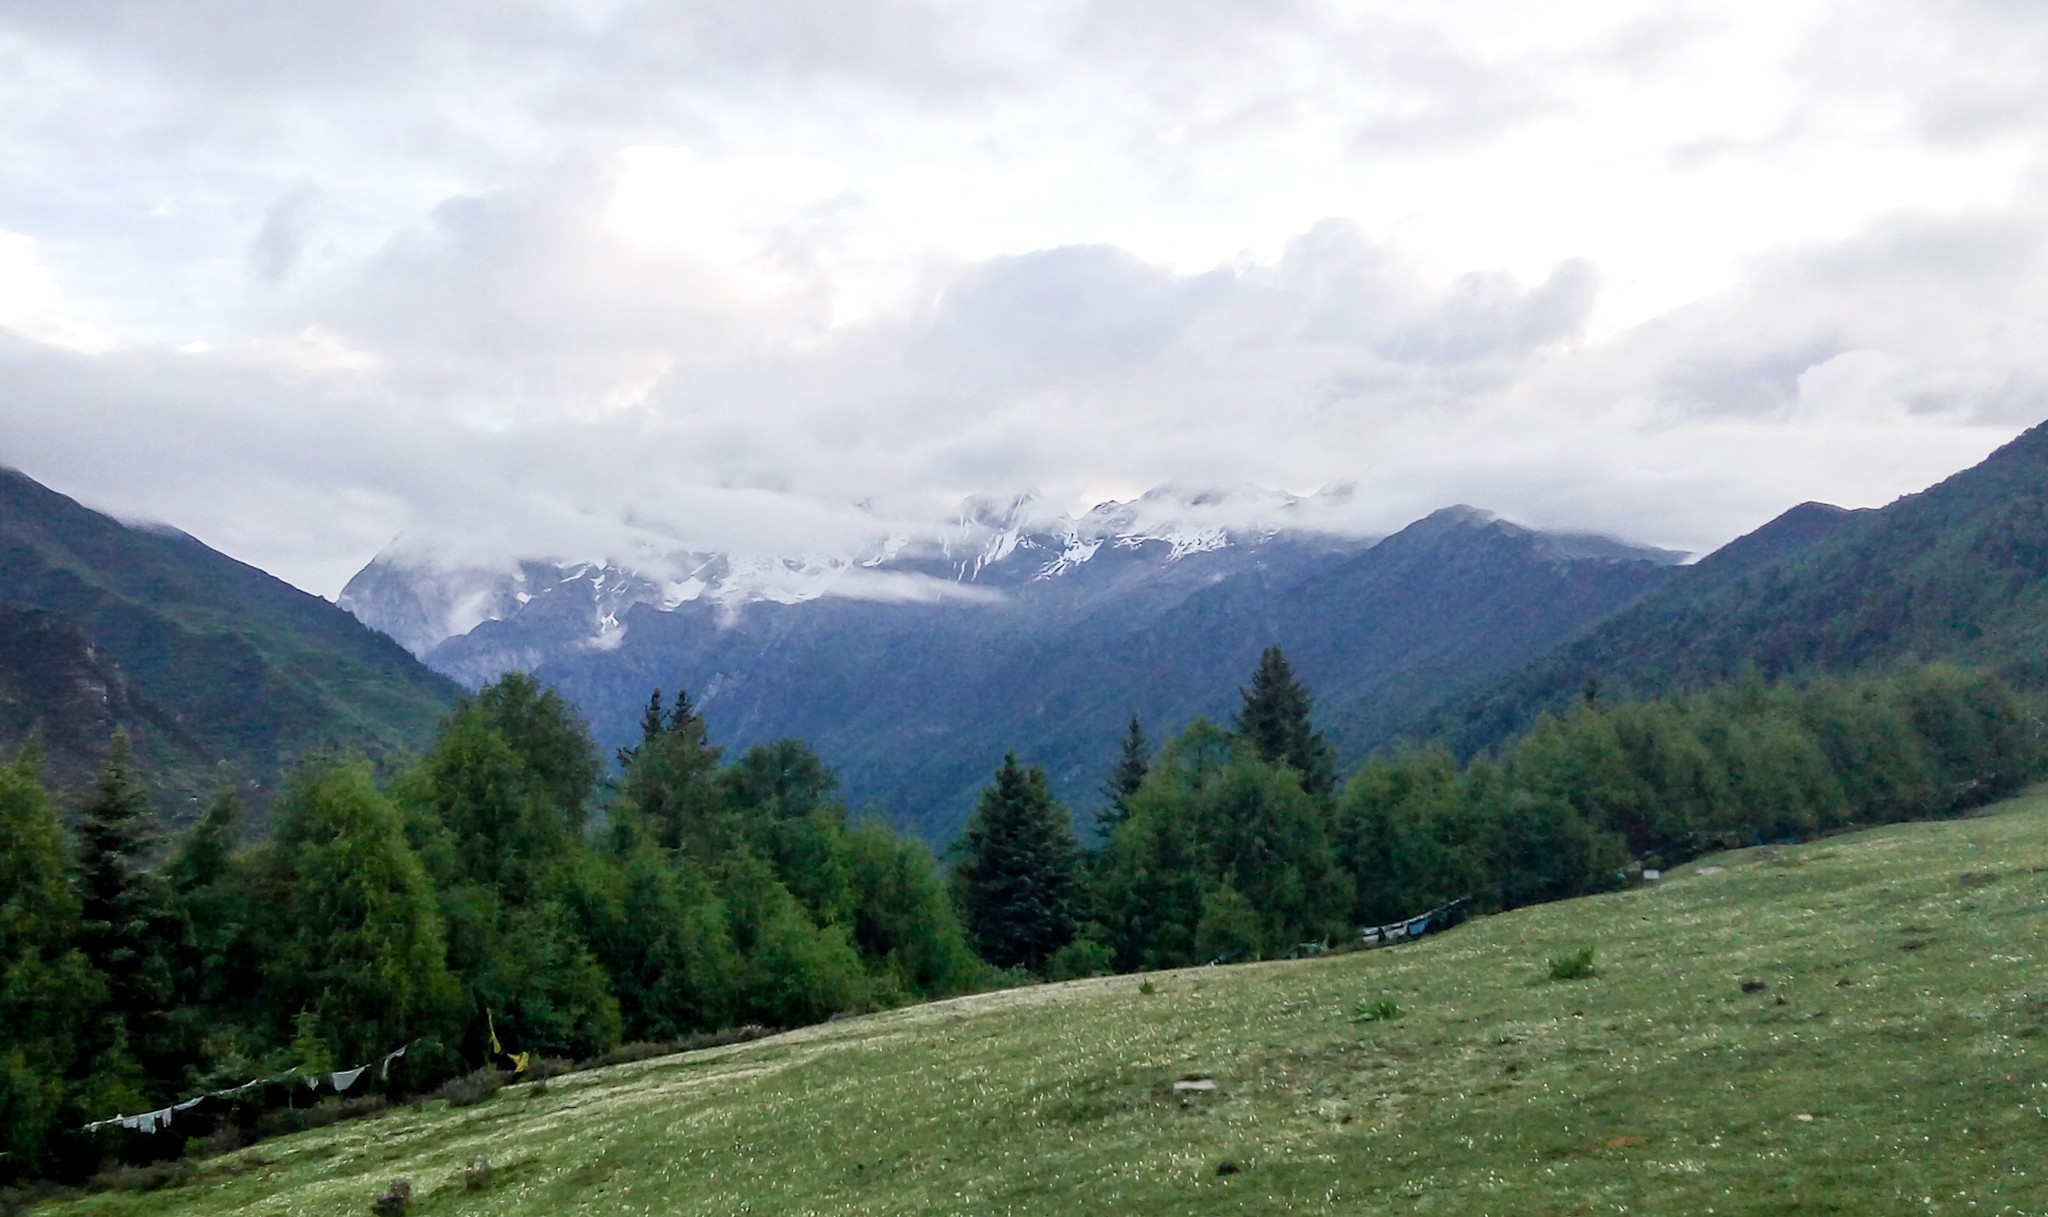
(123, 909)
(1016, 882)
(650, 726)
(1132, 764)
(1275, 719)
(672, 791)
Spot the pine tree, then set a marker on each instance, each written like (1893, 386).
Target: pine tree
(650, 726)
(123, 909)
(1132, 764)
(1275, 720)
(682, 716)
(1016, 882)
(205, 850)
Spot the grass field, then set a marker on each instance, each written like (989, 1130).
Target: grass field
(1894, 1060)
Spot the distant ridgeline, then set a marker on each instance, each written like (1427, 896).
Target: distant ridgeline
(1958, 572)
(203, 660)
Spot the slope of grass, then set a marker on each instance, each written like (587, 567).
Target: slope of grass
(1859, 1025)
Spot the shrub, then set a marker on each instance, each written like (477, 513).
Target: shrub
(1080, 958)
(1383, 1010)
(146, 1178)
(471, 1088)
(334, 1111)
(396, 1199)
(1573, 965)
(641, 1050)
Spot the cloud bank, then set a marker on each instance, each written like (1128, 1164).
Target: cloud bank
(606, 282)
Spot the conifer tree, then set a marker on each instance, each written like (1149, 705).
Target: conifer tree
(1132, 764)
(123, 910)
(671, 788)
(204, 851)
(1016, 882)
(650, 726)
(1275, 720)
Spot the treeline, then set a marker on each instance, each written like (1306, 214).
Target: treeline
(1236, 844)
(486, 901)
(501, 896)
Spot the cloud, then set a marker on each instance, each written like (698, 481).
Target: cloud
(622, 280)
(281, 242)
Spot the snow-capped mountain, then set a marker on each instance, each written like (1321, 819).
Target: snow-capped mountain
(988, 545)
(911, 663)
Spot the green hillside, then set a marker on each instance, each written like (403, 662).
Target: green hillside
(1958, 572)
(1858, 1025)
(219, 661)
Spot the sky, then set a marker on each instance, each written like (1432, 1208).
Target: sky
(593, 280)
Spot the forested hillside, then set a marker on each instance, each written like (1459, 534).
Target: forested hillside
(1958, 572)
(203, 658)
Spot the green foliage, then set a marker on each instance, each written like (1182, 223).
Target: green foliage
(1573, 965)
(1133, 762)
(1079, 959)
(359, 939)
(1016, 883)
(1218, 835)
(1275, 721)
(1230, 929)
(1951, 574)
(1379, 1010)
(125, 925)
(1039, 1104)
(47, 988)
(202, 658)
(550, 738)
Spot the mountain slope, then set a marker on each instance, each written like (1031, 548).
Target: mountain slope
(218, 660)
(1755, 1041)
(1957, 572)
(1048, 634)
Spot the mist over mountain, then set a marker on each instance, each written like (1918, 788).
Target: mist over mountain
(914, 663)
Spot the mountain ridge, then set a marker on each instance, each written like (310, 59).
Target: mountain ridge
(915, 700)
(219, 660)
(1956, 572)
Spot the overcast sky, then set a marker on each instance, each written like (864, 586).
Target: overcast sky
(581, 279)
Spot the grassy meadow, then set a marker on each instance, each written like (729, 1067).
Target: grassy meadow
(1858, 1025)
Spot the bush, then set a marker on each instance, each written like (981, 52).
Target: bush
(142, 1178)
(1383, 1010)
(641, 1050)
(1573, 965)
(1080, 958)
(334, 1111)
(471, 1088)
